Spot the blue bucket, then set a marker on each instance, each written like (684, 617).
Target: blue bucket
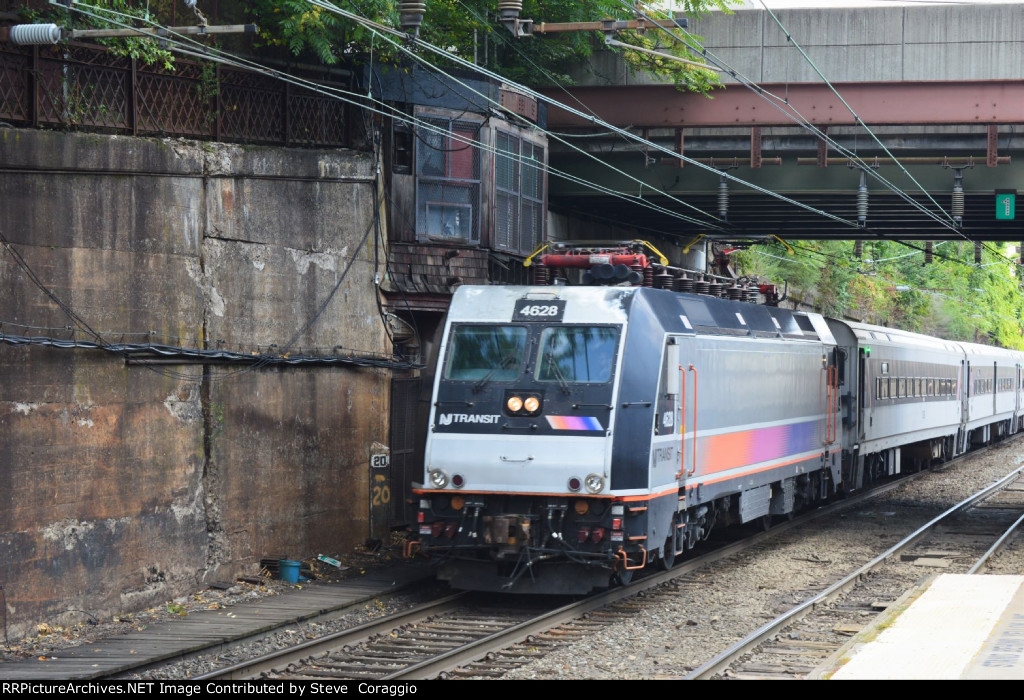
(290, 570)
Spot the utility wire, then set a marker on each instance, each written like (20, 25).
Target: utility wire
(139, 351)
(331, 7)
(385, 30)
(100, 342)
(856, 117)
(782, 105)
(178, 43)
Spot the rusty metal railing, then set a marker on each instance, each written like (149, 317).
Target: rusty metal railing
(85, 87)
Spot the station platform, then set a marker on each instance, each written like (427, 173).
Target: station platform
(955, 627)
(204, 630)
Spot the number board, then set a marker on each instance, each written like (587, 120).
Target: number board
(535, 310)
(1006, 205)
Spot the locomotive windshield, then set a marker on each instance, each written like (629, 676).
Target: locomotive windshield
(576, 354)
(486, 353)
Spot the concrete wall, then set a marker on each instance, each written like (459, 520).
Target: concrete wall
(933, 42)
(121, 485)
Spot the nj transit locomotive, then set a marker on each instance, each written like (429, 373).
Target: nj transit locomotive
(579, 434)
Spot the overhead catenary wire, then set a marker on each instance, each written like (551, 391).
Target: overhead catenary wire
(620, 194)
(613, 130)
(385, 31)
(188, 47)
(856, 117)
(783, 105)
(863, 166)
(514, 44)
(452, 80)
(279, 357)
(263, 360)
(334, 8)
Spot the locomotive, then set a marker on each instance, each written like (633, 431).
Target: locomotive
(579, 433)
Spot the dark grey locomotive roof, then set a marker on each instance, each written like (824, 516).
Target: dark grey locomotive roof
(711, 316)
(675, 312)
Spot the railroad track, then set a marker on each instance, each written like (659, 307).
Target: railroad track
(961, 539)
(458, 636)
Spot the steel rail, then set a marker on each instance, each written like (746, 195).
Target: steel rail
(998, 545)
(722, 661)
(479, 649)
(281, 658)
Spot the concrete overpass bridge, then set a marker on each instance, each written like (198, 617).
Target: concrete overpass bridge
(941, 87)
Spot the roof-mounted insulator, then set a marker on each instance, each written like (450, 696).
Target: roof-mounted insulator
(862, 201)
(977, 252)
(858, 249)
(929, 252)
(35, 34)
(541, 274)
(410, 16)
(510, 9)
(723, 198)
(958, 196)
(608, 274)
(191, 4)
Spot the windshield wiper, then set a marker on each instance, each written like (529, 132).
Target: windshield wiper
(558, 373)
(505, 362)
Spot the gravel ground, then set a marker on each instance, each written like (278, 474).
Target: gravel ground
(678, 627)
(688, 622)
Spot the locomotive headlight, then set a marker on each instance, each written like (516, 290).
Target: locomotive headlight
(514, 404)
(532, 404)
(594, 483)
(438, 478)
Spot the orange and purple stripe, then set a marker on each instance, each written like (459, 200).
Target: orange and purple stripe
(731, 450)
(574, 423)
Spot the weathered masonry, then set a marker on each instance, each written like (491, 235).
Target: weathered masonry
(124, 484)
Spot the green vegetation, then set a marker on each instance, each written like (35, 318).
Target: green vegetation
(470, 29)
(951, 297)
(109, 14)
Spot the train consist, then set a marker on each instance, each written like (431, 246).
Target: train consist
(580, 433)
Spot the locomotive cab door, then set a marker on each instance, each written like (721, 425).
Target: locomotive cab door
(667, 410)
(676, 411)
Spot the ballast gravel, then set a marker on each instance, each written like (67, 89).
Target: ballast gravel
(672, 629)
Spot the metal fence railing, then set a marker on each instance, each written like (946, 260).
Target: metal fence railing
(85, 87)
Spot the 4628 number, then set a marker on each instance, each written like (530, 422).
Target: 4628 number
(530, 310)
(548, 310)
